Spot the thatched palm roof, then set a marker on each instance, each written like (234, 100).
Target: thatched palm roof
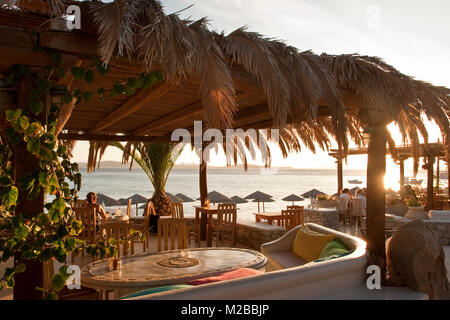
(240, 80)
(293, 197)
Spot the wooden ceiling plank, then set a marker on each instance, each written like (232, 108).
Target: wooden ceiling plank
(133, 104)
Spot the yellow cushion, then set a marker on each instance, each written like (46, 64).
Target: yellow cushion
(308, 244)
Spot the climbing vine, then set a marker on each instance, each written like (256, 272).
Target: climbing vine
(53, 232)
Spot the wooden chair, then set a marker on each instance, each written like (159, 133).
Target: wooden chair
(144, 228)
(342, 207)
(356, 211)
(173, 230)
(87, 217)
(79, 203)
(289, 218)
(225, 225)
(84, 293)
(119, 231)
(193, 226)
(300, 218)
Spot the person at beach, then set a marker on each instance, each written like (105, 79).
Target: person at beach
(345, 193)
(99, 211)
(360, 195)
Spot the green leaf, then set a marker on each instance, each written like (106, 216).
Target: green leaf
(43, 178)
(87, 95)
(53, 181)
(26, 182)
(34, 129)
(34, 193)
(24, 122)
(33, 146)
(77, 72)
(89, 76)
(10, 197)
(43, 85)
(21, 232)
(45, 154)
(36, 107)
(13, 115)
(51, 296)
(5, 180)
(20, 267)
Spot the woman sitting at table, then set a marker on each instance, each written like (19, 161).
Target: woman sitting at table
(99, 211)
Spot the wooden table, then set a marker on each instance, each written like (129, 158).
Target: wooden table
(206, 222)
(269, 216)
(144, 271)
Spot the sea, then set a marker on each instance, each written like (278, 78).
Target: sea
(230, 181)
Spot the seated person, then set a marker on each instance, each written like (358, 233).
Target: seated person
(345, 193)
(360, 195)
(99, 211)
(408, 193)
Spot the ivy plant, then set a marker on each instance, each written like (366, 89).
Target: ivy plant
(53, 233)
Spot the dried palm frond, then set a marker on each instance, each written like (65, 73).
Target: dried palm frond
(217, 88)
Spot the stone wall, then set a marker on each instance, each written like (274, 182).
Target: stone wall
(326, 219)
(440, 227)
(254, 234)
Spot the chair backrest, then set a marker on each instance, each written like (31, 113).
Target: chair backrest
(129, 208)
(300, 216)
(118, 231)
(289, 218)
(356, 207)
(173, 230)
(87, 217)
(226, 213)
(342, 204)
(79, 203)
(149, 210)
(177, 210)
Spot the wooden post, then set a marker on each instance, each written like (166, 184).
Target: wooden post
(437, 173)
(340, 175)
(430, 184)
(203, 180)
(375, 212)
(24, 162)
(402, 174)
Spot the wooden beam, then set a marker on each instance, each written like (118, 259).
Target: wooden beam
(79, 44)
(375, 223)
(110, 137)
(186, 112)
(133, 104)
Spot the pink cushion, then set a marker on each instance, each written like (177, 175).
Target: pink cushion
(228, 275)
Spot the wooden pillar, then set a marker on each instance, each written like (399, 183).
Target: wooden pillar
(203, 180)
(437, 173)
(27, 281)
(375, 212)
(402, 174)
(340, 176)
(430, 184)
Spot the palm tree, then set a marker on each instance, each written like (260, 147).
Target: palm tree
(155, 158)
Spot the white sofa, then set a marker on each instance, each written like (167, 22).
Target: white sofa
(340, 278)
(439, 215)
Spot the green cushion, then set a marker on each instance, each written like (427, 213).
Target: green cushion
(334, 247)
(333, 256)
(155, 290)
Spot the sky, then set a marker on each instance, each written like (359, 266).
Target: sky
(411, 35)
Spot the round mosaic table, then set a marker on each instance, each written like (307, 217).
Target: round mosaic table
(148, 270)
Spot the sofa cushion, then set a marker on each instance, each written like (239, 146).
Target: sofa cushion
(308, 244)
(155, 290)
(334, 247)
(286, 259)
(228, 275)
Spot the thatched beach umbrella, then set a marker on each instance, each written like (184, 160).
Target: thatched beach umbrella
(237, 199)
(217, 197)
(313, 193)
(184, 197)
(263, 201)
(293, 198)
(107, 201)
(259, 196)
(137, 198)
(174, 198)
